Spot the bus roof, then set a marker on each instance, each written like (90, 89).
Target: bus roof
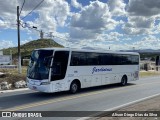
(87, 50)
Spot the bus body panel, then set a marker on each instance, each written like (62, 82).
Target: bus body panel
(89, 76)
(32, 84)
(88, 79)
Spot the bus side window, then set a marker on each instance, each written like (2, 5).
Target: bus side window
(74, 59)
(93, 59)
(135, 59)
(78, 59)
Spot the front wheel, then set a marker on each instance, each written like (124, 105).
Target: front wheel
(74, 87)
(124, 81)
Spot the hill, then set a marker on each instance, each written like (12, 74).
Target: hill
(27, 48)
(11, 75)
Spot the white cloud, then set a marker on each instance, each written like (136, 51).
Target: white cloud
(6, 44)
(101, 41)
(51, 13)
(144, 7)
(146, 42)
(141, 22)
(94, 16)
(139, 25)
(109, 37)
(92, 21)
(142, 15)
(90, 25)
(61, 38)
(135, 31)
(156, 29)
(3, 24)
(8, 14)
(126, 38)
(80, 33)
(8, 9)
(117, 7)
(115, 34)
(76, 4)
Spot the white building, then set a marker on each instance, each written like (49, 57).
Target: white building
(5, 59)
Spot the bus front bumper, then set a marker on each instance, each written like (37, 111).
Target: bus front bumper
(38, 86)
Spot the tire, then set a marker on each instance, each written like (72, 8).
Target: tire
(74, 87)
(124, 81)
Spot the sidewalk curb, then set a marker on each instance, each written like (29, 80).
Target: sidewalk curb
(15, 90)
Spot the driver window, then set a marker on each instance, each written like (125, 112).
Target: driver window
(59, 66)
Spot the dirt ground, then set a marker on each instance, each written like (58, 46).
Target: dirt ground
(147, 106)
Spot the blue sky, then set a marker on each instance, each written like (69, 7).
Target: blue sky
(101, 24)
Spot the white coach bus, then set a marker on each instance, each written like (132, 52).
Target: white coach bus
(63, 69)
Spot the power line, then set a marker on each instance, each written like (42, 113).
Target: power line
(25, 25)
(22, 7)
(33, 9)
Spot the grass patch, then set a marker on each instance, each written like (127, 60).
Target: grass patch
(11, 75)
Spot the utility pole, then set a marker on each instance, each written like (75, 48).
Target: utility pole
(18, 33)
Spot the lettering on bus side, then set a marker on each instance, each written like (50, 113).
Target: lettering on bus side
(94, 70)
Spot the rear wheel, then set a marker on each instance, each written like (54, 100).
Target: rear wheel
(124, 81)
(74, 87)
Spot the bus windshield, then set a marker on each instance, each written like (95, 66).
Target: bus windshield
(40, 61)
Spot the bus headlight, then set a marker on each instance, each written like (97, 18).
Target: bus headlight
(45, 83)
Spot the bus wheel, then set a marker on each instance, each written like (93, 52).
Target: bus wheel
(124, 80)
(74, 87)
